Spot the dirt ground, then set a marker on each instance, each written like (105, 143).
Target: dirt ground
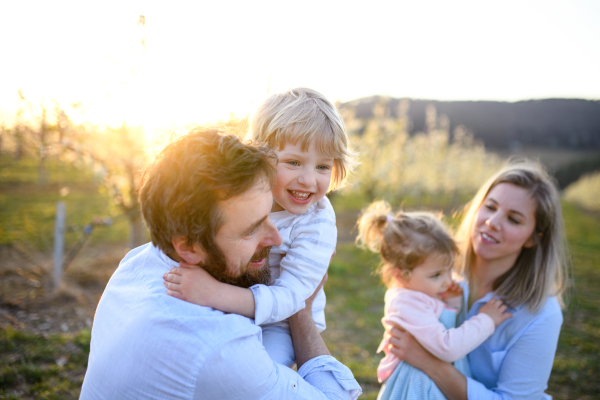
(29, 301)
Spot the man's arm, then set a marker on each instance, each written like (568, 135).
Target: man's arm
(307, 340)
(313, 359)
(242, 369)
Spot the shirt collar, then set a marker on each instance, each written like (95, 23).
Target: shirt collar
(166, 259)
(489, 296)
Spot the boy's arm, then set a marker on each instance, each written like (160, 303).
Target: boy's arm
(194, 285)
(302, 268)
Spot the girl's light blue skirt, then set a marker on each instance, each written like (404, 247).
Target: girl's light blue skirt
(410, 383)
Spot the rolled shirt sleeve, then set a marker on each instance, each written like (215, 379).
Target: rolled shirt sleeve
(241, 369)
(309, 243)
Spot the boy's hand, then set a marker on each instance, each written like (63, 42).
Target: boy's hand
(192, 284)
(496, 309)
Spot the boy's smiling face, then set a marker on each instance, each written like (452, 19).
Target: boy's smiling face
(302, 178)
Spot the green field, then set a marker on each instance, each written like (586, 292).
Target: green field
(39, 365)
(355, 308)
(27, 210)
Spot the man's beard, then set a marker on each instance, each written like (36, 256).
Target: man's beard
(216, 265)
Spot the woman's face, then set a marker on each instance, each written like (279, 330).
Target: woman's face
(504, 224)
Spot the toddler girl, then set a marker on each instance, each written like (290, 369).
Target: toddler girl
(417, 256)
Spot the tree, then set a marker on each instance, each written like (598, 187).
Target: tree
(117, 157)
(426, 167)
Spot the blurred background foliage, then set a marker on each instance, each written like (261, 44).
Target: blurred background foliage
(83, 164)
(426, 168)
(55, 155)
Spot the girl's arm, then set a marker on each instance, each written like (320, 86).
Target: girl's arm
(418, 314)
(454, 296)
(449, 380)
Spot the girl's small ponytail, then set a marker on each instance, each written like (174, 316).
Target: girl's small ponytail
(372, 224)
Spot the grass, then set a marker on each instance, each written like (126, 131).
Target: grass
(27, 210)
(42, 367)
(355, 308)
(577, 363)
(38, 366)
(354, 312)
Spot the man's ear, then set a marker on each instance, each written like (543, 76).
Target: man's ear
(193, 254)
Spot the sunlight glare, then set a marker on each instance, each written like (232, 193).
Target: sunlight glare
(202, 62)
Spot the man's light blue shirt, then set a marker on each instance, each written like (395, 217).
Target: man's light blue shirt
(148, 345)
(516, 361)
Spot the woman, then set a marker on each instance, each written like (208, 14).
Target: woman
(513, 248)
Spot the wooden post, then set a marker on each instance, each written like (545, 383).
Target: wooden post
(59, 243)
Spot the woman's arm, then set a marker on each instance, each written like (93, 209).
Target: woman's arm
(419, 314)
(523, 374)
(448, 379)
(526, 366)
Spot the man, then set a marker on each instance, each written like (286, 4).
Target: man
(206, 201)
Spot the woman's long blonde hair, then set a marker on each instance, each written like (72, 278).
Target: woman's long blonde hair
(404, 240)
(540, 271)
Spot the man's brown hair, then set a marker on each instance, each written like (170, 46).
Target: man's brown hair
(182, 187)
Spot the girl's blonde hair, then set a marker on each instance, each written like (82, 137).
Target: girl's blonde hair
(404, 240)
(540, 271)
(304, 115)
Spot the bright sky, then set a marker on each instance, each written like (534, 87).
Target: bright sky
(205, 59)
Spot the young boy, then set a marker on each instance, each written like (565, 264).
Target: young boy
(308, 135)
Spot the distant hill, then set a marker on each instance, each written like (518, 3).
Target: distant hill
(549, 123)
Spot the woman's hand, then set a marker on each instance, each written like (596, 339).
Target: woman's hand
(406, 348)
(452, 383)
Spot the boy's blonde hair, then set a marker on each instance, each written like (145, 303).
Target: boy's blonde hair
(540, 271)
(304, 115)
(404, 240)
